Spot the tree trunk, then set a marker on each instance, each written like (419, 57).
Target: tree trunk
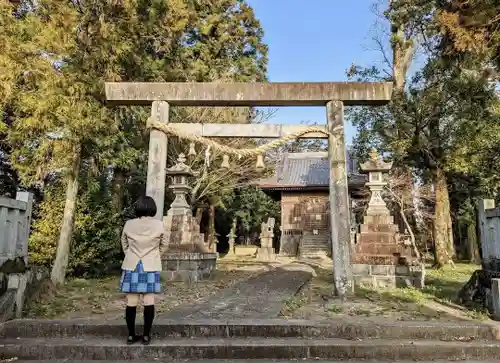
(444, 249)
(473, 247)
(449, 227)
(403, 50)
(118, 189)
(58, 273)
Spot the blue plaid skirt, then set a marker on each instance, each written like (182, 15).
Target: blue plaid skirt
(139, 281)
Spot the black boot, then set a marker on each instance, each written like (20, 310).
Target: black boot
(130, 313)
(149, 315)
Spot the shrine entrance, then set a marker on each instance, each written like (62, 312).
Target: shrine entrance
(332, 95)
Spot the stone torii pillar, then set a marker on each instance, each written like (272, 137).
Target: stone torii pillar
(157, 161)
(339, 198)
(332, 95)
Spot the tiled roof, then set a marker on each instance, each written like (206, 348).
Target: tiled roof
(308, 169)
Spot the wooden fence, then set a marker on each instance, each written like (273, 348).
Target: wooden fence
(489, 234)
(15, 220)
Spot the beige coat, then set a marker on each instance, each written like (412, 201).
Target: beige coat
(143, 239)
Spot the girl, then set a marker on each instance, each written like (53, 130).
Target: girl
(143, 242)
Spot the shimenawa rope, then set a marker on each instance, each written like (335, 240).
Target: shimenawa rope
(259, 150)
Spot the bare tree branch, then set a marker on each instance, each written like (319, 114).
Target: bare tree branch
(414, 201)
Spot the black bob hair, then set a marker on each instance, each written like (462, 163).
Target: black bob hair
(145, 207)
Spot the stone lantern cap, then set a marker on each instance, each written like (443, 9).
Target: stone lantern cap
(375, 163)
(180, 168)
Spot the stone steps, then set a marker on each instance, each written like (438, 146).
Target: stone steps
(350, 329)
(314, 253)
(239, 340)
(314, 245)
(310, 246)
(92, 348)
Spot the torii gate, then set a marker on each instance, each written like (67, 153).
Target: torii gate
(332, 95)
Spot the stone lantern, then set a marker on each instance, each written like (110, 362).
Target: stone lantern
(377, 170)
(187, 257)
(379, 258)
(179, 174)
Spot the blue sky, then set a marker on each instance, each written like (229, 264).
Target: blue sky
(315, 41)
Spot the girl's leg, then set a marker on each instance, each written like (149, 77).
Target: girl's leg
(149, 315)
(130, 314)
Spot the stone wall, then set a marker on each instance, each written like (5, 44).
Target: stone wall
(15, 221)
(483, 287)
(188, 266)
(21, 288)
(489, 234)
(382, 276)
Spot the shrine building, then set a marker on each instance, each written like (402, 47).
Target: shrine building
(301, 184)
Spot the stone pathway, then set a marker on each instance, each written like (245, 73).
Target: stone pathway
(260, 297)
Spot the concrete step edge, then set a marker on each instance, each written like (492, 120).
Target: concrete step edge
(245, 342)
(263, 348)
(246, 328)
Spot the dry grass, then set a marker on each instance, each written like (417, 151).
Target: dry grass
(435, 301)
(100, 299)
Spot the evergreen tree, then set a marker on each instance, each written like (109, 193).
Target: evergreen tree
(432, 120)
(59, 55)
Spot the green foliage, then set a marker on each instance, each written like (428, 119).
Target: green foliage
(472, 26)
(251, 206)
(224, 41)
(96, 249)
(56, 57)
(45, 229)
(445, 119)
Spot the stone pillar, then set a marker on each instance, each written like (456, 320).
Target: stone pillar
(483, 205)
(22, 245)
(157, 159)
(495, 299)
(231, 239)
(339, 199)
(266, 251)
